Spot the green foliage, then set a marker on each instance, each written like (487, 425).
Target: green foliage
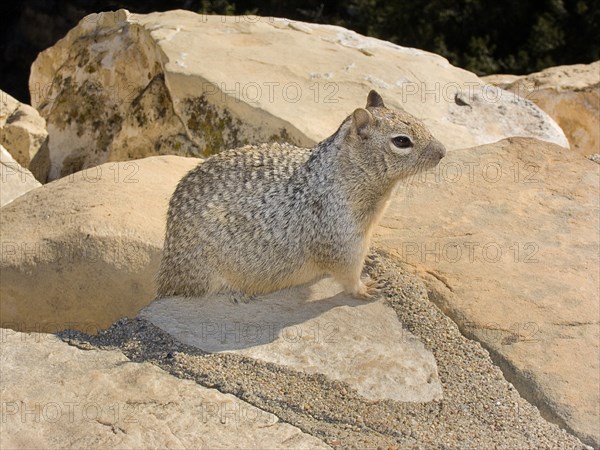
(217, 7)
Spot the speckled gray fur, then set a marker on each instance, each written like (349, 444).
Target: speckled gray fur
(261, 218)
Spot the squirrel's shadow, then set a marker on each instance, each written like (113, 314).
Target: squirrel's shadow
(298, 315)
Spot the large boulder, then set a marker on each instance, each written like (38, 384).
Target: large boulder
(58, 396)
(82, 251)
(122, 86)
(14, 179)
(23, 133)
(569, 94)
(506, 236)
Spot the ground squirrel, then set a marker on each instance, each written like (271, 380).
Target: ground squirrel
(261, 218)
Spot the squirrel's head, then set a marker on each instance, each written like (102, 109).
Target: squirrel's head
(394, 138)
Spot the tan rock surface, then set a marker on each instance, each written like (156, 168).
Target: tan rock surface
(23, 133)
(14, 179)
(507, 238)
(58, 396)
(82, 252)
(569, 94)
(122, 86)
(314, 328)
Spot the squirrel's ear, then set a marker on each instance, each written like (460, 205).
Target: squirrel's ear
(374, 100)
(362, 119)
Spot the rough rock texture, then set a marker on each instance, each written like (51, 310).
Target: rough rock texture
(479, 409)
(569, 94)
(58, 396)
(14, 179)
(82, 252)
(23, 133)
(314, 328)
(507, 237)
(122, 86)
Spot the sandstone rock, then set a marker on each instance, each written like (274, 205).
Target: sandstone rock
(506, 236)
(569, 94)
(23, 133)
(314, 328)
(15, 180)
(82, 252)
(501, 80)
(122, 86)
(58, 396)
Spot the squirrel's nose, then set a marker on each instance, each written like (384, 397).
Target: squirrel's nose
(435, 149)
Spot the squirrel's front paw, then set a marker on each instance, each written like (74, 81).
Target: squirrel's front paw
(370, 290)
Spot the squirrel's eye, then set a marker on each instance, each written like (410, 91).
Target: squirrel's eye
(402, 141)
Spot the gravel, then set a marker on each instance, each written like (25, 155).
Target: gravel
(480, 409)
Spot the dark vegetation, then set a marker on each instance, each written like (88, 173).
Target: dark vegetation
(483, 36)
